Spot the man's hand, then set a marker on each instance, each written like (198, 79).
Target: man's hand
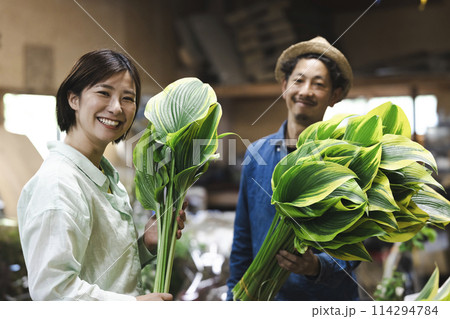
(151, 230)
(155, 297)
(307, 264)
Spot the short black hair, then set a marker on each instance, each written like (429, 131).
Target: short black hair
(89, 70)
(337, 78)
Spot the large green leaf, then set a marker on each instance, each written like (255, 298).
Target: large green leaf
(341, 153)
(366, 164)
(444, 292)
(380, 195)
(399, 151)
(350, 252)
(179, 104)
(360, 231)
(321, 130)
(431, 287)
(309, 182)
(311, 211)
(198, 142)
(349, 192)
(385, 219)
(149, 158)
(394, 119)
(413, 174)
(329, 225)
(409, 220)
(434, 204)
(336, 151)
(364, 130)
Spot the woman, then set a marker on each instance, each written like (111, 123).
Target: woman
(75, 222)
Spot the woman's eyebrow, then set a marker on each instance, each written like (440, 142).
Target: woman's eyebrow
(107, 86)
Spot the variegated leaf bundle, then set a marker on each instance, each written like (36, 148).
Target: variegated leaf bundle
(173, 152)
(343, 185)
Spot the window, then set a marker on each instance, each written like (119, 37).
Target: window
(33, 116)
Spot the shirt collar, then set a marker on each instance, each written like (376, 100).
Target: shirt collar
(279, 136)
(83, 163)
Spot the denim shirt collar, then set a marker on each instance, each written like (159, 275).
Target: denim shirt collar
(279, 141)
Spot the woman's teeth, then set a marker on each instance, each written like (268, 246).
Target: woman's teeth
(108, 122)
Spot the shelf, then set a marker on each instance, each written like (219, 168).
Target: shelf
(369, 87)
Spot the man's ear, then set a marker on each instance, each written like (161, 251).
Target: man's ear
(336, 96)
(283, 89)
(74, 100)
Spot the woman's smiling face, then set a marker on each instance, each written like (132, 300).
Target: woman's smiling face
(105, 111)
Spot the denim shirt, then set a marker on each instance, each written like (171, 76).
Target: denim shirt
(254, 215)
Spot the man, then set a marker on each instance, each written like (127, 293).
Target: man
(313, 75)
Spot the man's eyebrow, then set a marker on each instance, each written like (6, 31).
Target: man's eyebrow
(302, 74)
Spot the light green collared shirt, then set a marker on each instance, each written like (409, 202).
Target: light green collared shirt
(79, 241)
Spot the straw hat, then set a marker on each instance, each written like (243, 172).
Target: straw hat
(319, 46)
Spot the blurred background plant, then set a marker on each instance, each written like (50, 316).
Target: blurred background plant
(13, 274)
(398, 278)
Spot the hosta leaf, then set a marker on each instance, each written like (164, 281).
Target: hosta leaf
(359, 232)
(151, 174)
(434, 204)
(350, 252)
(394, 119)
(413, 174)
(410, 220)
(386, 219)
(326, 227)
(341, 153)
(399, 151)
(321, 130)
(431, 287)
(186, 178)
(314, 210)
(380, 195)
(443, 293)
(307, 183)
(338, 133)
(404, 193)
(179, 104)
(350, 192)
(365, 165)
(197, 142)
(286, 163)
(364, 130)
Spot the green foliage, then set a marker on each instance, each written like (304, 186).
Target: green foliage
(174, 151)
(431, 290)
(391, 288)
(11, 254)
(344, 185)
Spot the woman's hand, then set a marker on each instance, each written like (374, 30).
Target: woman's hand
(151, 229)
(155, 297)
(307, 264)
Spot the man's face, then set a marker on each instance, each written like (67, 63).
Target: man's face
(308, 92)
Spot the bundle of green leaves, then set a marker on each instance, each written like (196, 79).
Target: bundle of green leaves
(342, 185)
(173, 152)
